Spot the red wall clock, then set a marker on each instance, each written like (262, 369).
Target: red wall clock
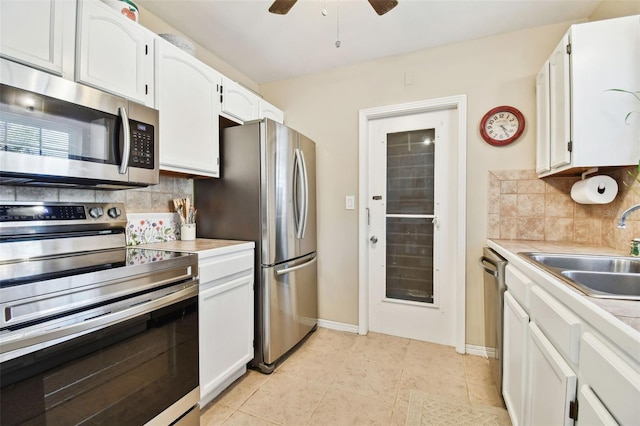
(502, 125)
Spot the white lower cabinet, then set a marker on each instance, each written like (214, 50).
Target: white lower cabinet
(516, 322)
(226, 319)
(559, 368)
(612, 378)
(592, 411)
(551, 384)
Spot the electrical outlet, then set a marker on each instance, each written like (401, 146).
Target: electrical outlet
(349, 202)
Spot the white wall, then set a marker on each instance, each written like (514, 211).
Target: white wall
(492, 71)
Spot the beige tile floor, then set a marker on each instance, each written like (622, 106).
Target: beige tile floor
(339, 378)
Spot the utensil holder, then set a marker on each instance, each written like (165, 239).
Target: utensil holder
(188, 231)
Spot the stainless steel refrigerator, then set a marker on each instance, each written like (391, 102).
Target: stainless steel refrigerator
(267, 194)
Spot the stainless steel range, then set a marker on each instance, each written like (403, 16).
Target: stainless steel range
(92, 331)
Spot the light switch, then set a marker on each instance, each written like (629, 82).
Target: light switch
(349, 202)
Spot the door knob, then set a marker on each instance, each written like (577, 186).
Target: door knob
(373, 239)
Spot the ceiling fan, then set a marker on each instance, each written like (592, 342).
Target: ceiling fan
(281, 7)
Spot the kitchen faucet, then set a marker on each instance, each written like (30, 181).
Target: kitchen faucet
(623, 218)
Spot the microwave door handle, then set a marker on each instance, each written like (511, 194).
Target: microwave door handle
(126, 149)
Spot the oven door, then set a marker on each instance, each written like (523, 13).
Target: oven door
(136, 370)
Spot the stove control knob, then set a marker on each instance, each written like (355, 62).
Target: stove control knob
(114, 212)
(96, 212)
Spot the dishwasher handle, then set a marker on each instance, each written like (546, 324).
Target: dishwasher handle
(485, 261)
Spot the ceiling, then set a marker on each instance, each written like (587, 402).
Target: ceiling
(267, 47)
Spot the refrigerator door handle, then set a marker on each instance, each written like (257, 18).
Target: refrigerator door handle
(305, 198)
(297, 209)
(295, 268)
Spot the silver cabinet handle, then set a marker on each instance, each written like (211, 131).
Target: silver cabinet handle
(373, 239)
(126, 149)
(295, 268)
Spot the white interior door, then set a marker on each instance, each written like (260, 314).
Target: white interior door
(411, 227)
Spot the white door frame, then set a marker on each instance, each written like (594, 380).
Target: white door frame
(459, 103)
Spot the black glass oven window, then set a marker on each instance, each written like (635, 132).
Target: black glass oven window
(125, 374)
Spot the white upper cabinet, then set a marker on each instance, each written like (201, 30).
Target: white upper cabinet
(39, 33)
(560, 143)
(189, 103)
(269, 111)
(543, 160)
(238, 102)
(114, 53)
(587, 125)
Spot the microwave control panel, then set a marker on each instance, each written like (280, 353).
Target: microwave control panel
(142, 145)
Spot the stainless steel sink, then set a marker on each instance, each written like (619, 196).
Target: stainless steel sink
(586, 262)
(626, 285)
(611, 277)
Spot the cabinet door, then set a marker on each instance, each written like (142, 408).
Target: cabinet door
(560, 104)
(592, 412)
(514, 341)
(613, 378)
(551, 383)
(269, 111)
(239, 102)
(114, 54)
(39, 33)
(543, 145)
(189, 106)
(226, 331)
(605, 55)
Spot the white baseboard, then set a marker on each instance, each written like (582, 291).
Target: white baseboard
(482, 351)
(340, 326)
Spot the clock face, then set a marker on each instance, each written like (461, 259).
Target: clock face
(502, 125)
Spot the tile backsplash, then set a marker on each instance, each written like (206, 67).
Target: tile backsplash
(156, 198)
(523, 207)
(147, 228)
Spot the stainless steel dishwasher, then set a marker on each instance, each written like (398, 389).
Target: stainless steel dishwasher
(494, 286)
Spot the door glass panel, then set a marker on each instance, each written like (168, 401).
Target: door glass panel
(410, 211)
(410, 259)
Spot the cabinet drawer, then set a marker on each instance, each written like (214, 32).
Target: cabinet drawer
(519, 285)
(217, 267)
(559, 324)
(615, 382)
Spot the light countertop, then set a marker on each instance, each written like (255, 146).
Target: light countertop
(627, 311)
(201, 245)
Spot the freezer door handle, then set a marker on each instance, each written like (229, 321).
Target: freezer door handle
(295, 268)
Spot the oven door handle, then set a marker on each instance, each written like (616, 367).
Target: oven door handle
(22, 340)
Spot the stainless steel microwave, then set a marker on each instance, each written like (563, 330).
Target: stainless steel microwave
(55, 132)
